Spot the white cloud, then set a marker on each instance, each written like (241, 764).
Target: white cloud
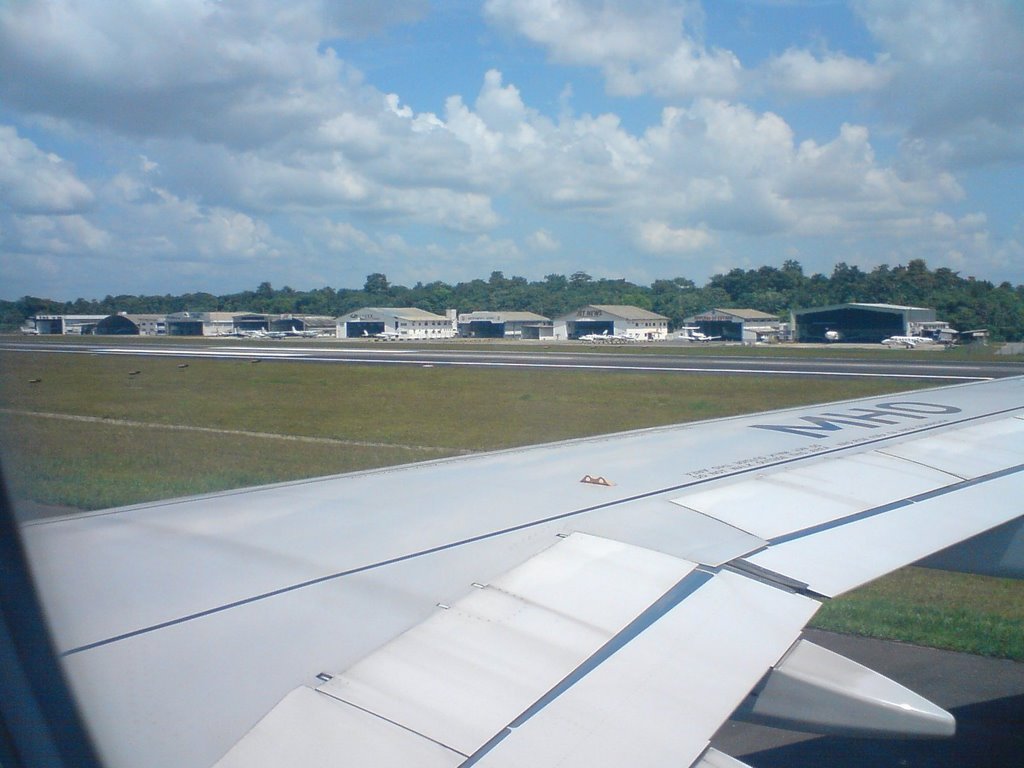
(799, 72)
(641, 46)
(542, 240)
(33, 181)
(243, 73)
(64, 236)
(232, 134)
(659, 237)
(341, 237)
(957, 74)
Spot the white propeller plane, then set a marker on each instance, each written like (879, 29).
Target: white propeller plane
(907, 342)
(692, 333)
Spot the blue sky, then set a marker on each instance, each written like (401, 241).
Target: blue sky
(150, 147)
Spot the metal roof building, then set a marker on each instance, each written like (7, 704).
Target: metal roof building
(124, 324)
(736, 324)
(497, 325)
(64, 324)
(322, 325)
(612, 319)
(396, 322)
(213, 323)
(859, 323)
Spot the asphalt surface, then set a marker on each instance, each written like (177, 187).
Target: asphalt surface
(985, 695)
(929, 366)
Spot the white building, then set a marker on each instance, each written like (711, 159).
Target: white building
(208, 323)
(612, 320)
(396, 322)
(64, 324)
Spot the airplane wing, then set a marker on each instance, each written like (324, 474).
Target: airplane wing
(598, 602)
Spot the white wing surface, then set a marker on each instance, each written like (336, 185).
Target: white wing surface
(496, 611)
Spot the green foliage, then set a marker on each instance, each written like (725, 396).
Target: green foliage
(973, 614)
(965, 303)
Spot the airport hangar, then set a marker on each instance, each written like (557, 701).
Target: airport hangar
(215, 323)
(609, 319)
(324, 325)
(505, 325)
(47, 325)
(407, 322)
(125, 324)
(735, 324)
(862, 323)
(209, 324)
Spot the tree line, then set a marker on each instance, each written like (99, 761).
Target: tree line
(965, 303)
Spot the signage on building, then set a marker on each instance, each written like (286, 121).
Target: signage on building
(715, 318)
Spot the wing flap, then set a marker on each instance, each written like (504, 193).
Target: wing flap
(466, 672)
(658, 699)
(592, 653)
(310, 729)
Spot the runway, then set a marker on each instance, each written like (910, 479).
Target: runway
(930, 366)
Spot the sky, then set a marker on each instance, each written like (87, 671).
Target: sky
(173, 146)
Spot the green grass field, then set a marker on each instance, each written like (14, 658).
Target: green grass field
(79, 431)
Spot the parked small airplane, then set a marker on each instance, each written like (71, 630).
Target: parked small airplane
(386, 335)
(308, 333)
(908, 342)
(260, 333)
(692, 333)
(606, 338)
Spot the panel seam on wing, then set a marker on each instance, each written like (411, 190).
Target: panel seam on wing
(906, 502)
(389, 721)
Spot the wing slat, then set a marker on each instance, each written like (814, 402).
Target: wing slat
(838, 559)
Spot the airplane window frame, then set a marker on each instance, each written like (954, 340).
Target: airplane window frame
(40, 725)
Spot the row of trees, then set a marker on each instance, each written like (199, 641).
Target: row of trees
(964, 302)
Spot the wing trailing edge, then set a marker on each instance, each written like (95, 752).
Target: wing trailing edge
(592, 653)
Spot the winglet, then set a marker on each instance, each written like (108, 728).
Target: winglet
(715, 759)
(816, 690)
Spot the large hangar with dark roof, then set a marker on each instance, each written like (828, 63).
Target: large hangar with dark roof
(124, 324)
(859, 323)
